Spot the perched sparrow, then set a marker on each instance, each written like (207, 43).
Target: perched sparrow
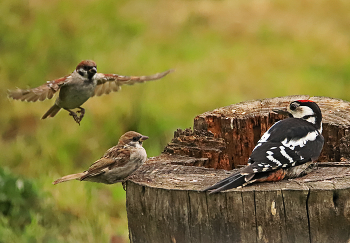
(116, 164)
(285, 150)
(76, 88)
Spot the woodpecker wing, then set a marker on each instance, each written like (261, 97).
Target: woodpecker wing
(45, 91)
(107, 83)
(295, 135)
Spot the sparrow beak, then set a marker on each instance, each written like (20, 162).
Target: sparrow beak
(282, 112)
(93, 70)
(143, 138)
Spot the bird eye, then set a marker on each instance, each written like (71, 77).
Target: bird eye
(293, 106)
(134, 139)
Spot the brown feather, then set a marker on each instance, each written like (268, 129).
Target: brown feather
(51, 112)
(69, 177)
(43, 92)
(107, 83)
(97, 167)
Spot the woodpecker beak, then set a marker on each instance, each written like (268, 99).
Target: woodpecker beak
(143, 138)
(93, 70)
(282, 112)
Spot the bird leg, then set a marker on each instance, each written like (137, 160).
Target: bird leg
(124, 184)
(75, 116)
(82, 113)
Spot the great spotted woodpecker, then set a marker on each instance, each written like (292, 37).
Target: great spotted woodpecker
(285, 150)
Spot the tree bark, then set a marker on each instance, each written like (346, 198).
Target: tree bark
(165, 202)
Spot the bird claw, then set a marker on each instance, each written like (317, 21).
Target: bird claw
(82, 113)
(124, 184)
(77, 118)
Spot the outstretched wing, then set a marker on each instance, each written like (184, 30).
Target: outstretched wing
(107, 83)
(45, 91)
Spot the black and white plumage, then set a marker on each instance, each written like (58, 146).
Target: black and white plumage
(289, 145)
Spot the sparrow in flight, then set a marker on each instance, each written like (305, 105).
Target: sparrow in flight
(116, 164)
(76, 88)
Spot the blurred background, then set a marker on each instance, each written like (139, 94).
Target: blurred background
(224, 52)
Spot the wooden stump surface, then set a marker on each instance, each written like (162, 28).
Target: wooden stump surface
(165, 202)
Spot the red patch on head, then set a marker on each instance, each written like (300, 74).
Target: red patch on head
(301, 101)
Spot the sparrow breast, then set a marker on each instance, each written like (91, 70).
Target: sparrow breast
(76, 93)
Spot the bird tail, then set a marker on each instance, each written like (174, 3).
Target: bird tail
(69, 177)
(230, 182)
(52, 111)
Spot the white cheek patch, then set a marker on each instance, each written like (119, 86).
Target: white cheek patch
(302, 111)
(311, 136)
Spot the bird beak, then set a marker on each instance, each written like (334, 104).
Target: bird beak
(93, 70)
(143, 138)
(282, 112)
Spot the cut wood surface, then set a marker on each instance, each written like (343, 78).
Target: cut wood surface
(165, 202)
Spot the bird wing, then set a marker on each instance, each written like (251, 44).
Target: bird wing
(289, 128)
(284, 145)
(272, 156)
(313, 150)
(45, 91)
(107, 83)
(104, 164)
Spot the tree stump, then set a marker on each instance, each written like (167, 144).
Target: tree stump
(165, 203)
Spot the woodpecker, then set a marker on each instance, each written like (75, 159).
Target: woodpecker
(284, 151)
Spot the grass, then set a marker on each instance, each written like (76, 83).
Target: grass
(223, 52)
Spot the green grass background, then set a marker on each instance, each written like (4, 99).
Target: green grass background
(224, 52)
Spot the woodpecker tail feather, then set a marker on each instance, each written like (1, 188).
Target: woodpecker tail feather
(230, 182)
(52, 111)
(223, 182)
(69, 177)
